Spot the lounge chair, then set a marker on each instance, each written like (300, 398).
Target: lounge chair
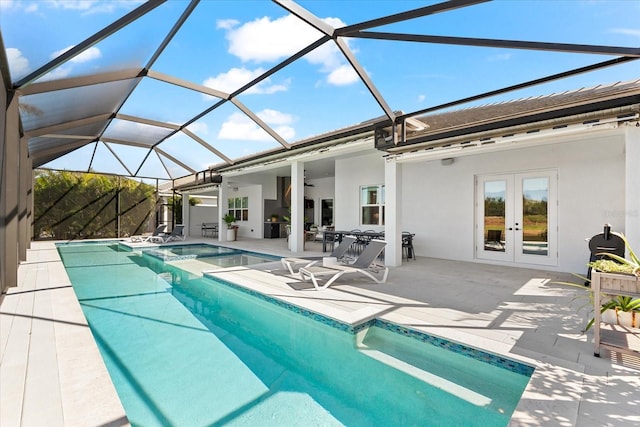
(340, 253)
(364, 264)
(176, 234)
(141, 238)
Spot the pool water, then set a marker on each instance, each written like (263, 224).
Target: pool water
(183, 350)
(218, 255)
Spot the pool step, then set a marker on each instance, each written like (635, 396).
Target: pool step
(376, 348)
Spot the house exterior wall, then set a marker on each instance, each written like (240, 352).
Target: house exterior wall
(438, 202)
(440, 206)
(255, 225)
(352, 173)
(200, 214)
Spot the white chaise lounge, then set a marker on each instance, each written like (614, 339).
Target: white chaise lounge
(364, 264)
(142, 238)
(340, 253)
(176, 234)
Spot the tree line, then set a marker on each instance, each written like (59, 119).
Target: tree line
(72, 205)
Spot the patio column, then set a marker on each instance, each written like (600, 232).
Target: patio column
(393, 211)
(632, 183)
(9, 178)
(223, 204)
(186, 206)
(25, 187)
(296, 239)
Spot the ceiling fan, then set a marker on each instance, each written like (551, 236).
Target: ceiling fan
(305, 182)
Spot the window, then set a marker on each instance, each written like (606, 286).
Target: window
(372, 205)
(239, 208)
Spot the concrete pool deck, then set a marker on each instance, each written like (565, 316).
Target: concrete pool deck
(51, 372)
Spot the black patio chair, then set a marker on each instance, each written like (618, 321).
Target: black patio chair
(407, 245)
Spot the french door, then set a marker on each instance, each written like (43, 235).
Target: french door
(516, 217)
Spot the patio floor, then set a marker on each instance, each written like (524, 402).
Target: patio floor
(51, 372)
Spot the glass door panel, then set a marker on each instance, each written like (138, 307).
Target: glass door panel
(494, 215)
(326, 212)
(535, 216)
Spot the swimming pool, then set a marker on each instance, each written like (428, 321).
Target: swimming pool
(219, 255)
(186, 350)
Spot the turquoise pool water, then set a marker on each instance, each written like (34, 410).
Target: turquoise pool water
(218, 255)
(189, 351)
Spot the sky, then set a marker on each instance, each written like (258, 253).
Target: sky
(225, 44)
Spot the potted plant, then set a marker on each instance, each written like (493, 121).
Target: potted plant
(231, 232)
(622, 310)
(275, 217)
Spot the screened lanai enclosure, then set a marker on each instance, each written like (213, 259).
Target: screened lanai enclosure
(169, 91)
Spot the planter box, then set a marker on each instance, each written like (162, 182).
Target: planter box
(619, 283)
(615, 337)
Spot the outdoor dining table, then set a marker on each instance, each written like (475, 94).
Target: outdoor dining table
(330, 237)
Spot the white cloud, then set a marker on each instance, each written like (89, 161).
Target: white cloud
(240, 127)
(87, 55)
(57, 73)
(199, 128)
(275, 117)
(421, 98)
(85, 7)
(500, 57)
(342, 76)
(227, 24)
(235, 78)
(18, 64)
(66, 69)
(267, 40)
(9, 5)
(286, 132)
(94, 6)
(627, 31)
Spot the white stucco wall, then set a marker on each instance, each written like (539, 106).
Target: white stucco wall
(438, 201)
(254, 226)
(351, 174)
(200, 214)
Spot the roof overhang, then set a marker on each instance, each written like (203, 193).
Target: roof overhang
(572, 114)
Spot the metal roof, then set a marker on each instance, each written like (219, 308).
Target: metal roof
(92, 120)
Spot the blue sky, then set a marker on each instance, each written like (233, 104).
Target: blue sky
(224, 44)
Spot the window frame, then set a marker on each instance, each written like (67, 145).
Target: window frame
(239, 207)
(379, 192)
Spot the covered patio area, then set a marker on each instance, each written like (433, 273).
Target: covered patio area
(53, 373)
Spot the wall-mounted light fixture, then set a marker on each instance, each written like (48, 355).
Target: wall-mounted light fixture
(446, 162)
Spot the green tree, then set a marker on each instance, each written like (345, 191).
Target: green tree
(70, 205)
(494, 206)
